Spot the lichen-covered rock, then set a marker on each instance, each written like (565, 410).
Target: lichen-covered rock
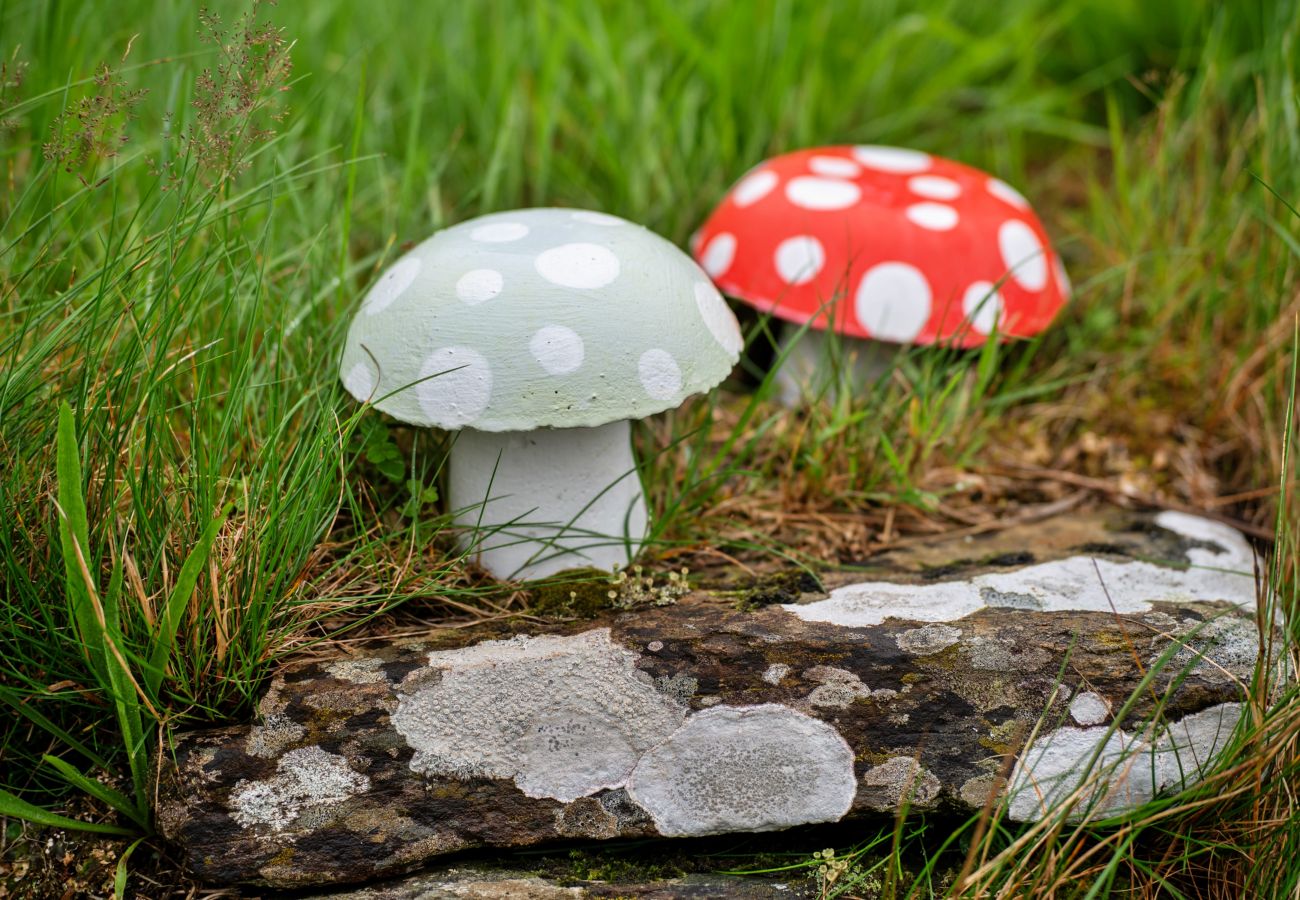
(917, 681)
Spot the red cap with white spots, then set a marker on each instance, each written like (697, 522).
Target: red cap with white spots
(917, 249)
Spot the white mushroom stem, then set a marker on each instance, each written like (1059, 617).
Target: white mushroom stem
(533, 503)
(818, 365)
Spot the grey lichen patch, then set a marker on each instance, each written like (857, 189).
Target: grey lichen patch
(839, 688)
(977, 791)
(899, 782)
(1128, 770)
(1089, 708)
(563, 716)
(1225, 642)
(307, 780)
(1219, 565)
(680, 687)
(928, 639)
(748, 768)
(1190, 745)
(358, 671)
(775, 672)
(273, 736)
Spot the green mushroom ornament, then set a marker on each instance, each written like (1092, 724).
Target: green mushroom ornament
(538, 335)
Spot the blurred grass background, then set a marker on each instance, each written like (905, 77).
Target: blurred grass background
(188, 224)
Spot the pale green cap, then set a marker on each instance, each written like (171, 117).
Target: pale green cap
(539, 318)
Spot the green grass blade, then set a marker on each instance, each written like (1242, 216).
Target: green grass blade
(74, 533)
(115, 799)
(29, 812)
(119, 876)
(170, 619)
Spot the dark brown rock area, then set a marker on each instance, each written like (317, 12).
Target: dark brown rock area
(924, 680)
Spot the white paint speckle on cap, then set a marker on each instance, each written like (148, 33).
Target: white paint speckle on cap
(499, 232)
(799, 259)
(718, 318)
(1078, 583)
(1006, 193)
(756, 768)
(1023, 255)
(659, 373)
(479, 285)
(891, 159)
(557, 349)
(753, 187)
(719, 254)
(932, 216)
(1089, 708)
(934, 187)
(563, 717)
(982, 305)
(455, 386)
(391, 285)
(893, 301)
(308, 778)
(580, 265)
(812, 192)
(834, 167)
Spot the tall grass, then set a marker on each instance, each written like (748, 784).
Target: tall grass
(177, 265)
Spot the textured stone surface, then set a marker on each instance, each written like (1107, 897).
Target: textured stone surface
(460, 882)
(919, 680)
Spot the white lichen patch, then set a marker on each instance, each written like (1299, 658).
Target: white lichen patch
(276, 732)
(562, 716)
(928, 639)
(838, 688)
(1089, 708)
(775, 672)
(307, 780)
(1103, 771)
(749, 768)
(898, 782)
(1078, 583)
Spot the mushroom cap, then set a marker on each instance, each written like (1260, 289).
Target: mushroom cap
(538, 318)
(886, 243)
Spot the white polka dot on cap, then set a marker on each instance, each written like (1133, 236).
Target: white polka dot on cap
(581, 265)
(479, 285)
(891, 159)
(719, 253)
(659, 373)
(893, 301)
(753, 187)
(934, 187)
(455, 386)
(1023, 255)
(558, 349)
(799, 259)
(834, 167)
(391, 285)
(932, 216)
(982, 306)
(810, 192)
(499, 232)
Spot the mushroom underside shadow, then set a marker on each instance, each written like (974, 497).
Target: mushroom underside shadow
(533, 503)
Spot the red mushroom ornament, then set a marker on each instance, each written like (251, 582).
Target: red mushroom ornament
(883, 244)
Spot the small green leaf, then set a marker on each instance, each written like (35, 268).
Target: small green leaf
(119, 878)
